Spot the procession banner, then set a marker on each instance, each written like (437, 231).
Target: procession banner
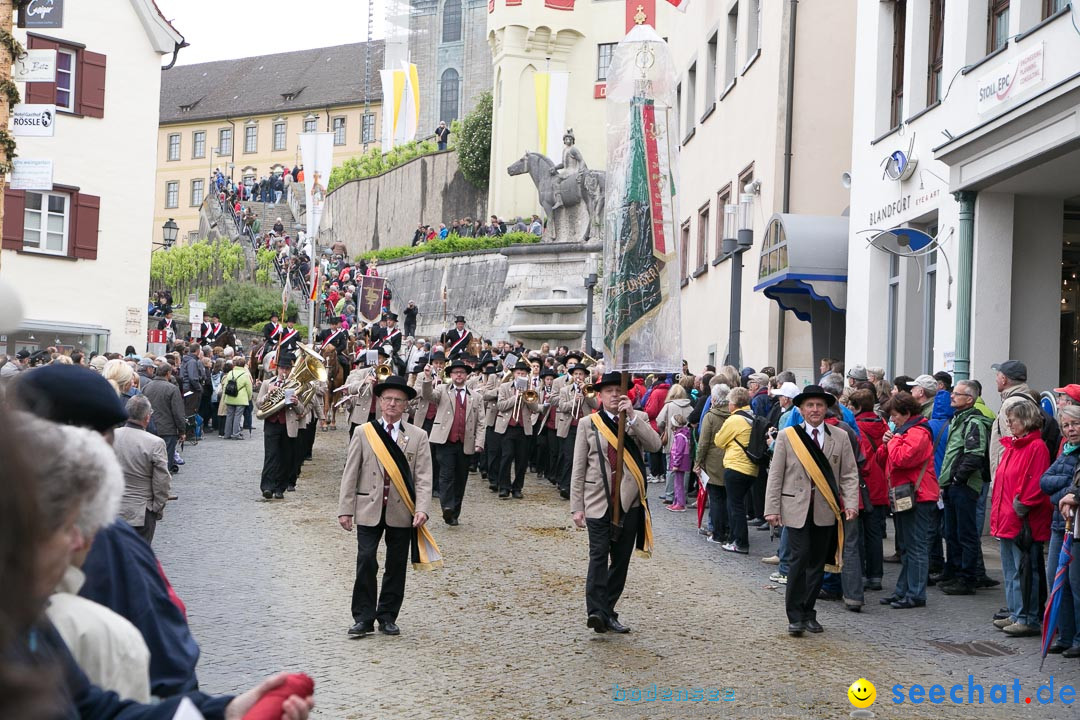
(551, 90)
(369, 304)
(408, 108)
(641, 262)
(317, 155)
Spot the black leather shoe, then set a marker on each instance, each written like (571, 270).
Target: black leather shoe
(291, 488)
(796, 629)
(872, 586)
(504, 493)
(493, 488)
(987, 582)
(448, 517)
(279, 496)
(564, 494)
(1073, 652)
(823, 595)
(361, 629)
(888, 600)
(1057, 649)
(596, 622)
(388, 628)
(267, 495)
(516, 495)
(452, 521)
(617, 627)
(813, 626)
(958, 587)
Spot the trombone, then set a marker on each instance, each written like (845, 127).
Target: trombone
(383, 371)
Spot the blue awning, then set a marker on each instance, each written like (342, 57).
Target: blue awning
(803, 263)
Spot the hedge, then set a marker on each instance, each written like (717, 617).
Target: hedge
(452, 244)
(243, 306)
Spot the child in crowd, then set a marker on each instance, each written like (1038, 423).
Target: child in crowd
(679, 461)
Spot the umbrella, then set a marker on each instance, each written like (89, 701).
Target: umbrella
(702, 495)
(1050, 617)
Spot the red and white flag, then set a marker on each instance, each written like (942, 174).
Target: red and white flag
(680, 4)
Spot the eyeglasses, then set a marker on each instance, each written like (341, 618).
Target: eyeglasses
(394, 400)
(1070, 425)
(962, 394)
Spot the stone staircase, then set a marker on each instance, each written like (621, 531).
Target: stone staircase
(268, 213)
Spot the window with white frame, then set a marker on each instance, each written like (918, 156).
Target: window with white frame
(196, 192)
(368, 132)
(731, 49)
(710, 70)
(251, 138)
(45, 222)
(279, 135)
(225, 141)
(174, 146)
(198, 144)
(604, 53)
(311, 124)
(753, 29)
(65, 80)
(172, 194)
(339, 130)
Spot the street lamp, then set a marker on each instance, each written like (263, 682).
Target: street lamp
(738, 238)
(590, 283)
(169, 231)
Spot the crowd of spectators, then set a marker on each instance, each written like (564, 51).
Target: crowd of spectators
(468, 227)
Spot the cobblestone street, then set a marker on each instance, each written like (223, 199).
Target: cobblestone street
(500, 632)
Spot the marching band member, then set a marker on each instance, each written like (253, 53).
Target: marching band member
(392, 334)
(386, 490)
(514, 423)
(573, 405)
(591, 498)
(546, 453)
(489, 390)
(457, 339)
(359, 390)
(456, 433)
(424, 410)
(280, 432)
(572, 358)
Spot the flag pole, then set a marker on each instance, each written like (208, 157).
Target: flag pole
(620, 443)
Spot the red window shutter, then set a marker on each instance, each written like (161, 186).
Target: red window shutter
(14, 217)
(39, 92)
(83, 242)
(91, 97)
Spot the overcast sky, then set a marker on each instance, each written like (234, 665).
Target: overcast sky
(226, 29)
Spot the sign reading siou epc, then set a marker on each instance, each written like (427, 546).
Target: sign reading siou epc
(1010, 79)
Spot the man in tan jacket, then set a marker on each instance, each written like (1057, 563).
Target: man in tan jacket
(371, 503)
(572, 405)
(146, 469)
(513, 424)
(808, 509)
(456, 433)
(590, 499)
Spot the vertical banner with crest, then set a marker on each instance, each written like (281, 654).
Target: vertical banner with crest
(317, 154)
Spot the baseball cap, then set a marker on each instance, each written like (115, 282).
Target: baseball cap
(926, 382)
(789, 390)
(857, 372)
(146, 363)
(1072, 390)
(1012, 369)
(22, 354)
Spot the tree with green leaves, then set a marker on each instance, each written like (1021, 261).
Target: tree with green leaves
(474, 144)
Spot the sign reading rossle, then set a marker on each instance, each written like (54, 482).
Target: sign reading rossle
(33, 120)
(1010, 79)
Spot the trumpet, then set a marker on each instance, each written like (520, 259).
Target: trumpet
(383, 371)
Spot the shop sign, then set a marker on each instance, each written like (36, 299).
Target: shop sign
(35, 66)
(31, 174)
(42, 14)
(33, 120)
(1010, 79)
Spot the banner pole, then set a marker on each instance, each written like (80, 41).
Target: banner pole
(616, 477)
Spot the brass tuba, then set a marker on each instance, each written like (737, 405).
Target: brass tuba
(308, 370)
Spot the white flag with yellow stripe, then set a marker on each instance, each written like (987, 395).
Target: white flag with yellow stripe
(551, 91)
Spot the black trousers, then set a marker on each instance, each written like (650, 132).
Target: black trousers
(809, 547)
(146, 532)
(515, 449)
(278, 463)
(493, 455)
(566, 459)
(546, 457)
(608, 562)
(453, 475)
(368, 603)
(308, 434)
(427, 425)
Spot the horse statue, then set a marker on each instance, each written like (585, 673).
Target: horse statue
(335, 378)
(585, 187)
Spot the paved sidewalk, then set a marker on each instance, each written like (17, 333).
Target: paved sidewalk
(500, 631)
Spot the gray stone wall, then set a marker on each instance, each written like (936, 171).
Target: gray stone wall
(532, 292)
(383, 211)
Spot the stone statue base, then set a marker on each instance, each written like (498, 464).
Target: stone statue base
(570, 224)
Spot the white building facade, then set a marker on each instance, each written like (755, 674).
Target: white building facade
(964, 239)
(77, 253)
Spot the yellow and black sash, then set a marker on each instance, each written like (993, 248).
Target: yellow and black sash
(820, 471)
(632, 459)
(425, 553)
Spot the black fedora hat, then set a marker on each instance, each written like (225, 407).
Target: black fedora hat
(522, 365)
(548, 372)
(459, 318)
(395, 382)
(438, 356)
(609, 378)
(459, 363)
(579, 368)
(814, 391)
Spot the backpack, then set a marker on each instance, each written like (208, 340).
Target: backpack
(757, 450)
(231, 388)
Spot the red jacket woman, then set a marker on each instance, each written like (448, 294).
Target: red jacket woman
(905, 455)
(656, 400)
(871, 428)
(1022, 465)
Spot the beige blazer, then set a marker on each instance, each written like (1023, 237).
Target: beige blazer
(504, 406)
(587, 491)
(489, 388)
(357, 387)
(418, 406)
(292, 414)
(570, 405)
(443, 396)
(146, 473)
(788, 491)
(362, 482)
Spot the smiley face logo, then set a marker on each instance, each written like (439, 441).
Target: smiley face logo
(862, 693)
